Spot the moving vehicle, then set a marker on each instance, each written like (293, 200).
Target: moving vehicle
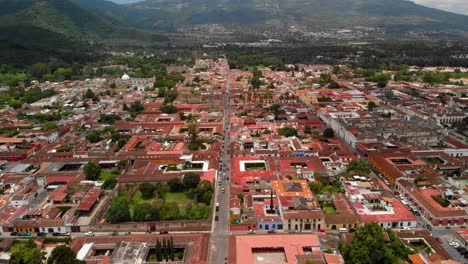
(217, 207)
(439, 240)
(222, 190)
(90, 233)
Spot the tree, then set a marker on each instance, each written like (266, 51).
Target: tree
(371, 105)
(369, 246)
(142, 212)
(109, 183)
(63, 254)
(92, 171)
(109, 118)
(170, 96)
(169, 108)
(191, 180)
(49, 125)
(158, 251)
(147, 190)
(28, 254)
(336, 69)
(193, 131)
(176, 185)
(94, 136)
(172, 248)
(334, 85)
(328, 133)
(307, 129)
(161, 189)
(119, 213)
(287, 131)
(358, 166)
(135, 108)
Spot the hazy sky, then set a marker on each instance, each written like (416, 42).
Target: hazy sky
(456, 6)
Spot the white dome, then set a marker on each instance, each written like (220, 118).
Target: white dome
(125, 77)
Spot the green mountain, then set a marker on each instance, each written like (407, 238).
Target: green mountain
(278, 15)
(65, 19)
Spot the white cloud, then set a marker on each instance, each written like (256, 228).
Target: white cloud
(456, 6)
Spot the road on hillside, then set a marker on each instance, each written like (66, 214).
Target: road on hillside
(220, 228)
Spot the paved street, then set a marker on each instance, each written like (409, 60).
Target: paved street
(220, 229)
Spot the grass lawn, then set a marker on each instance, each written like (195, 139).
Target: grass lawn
(106, 174)
(118, 200)
(329, 210)
(433, 160)
(138, 199)
(178, 197)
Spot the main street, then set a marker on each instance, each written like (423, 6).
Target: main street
(220, 228)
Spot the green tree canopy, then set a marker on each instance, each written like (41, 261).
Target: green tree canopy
(287, 131)
(358, 166)
(328, 133)
(147, 190)
(191, 180)
(371, 105)
(176, 185)
(92, 171)
(369, 246)
(63, 254)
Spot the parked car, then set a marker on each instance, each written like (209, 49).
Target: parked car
(148, 232)
(321, 231)
(216, 218)
(90, 233)
(26, 233)
(271, 231)
(163, 232)
(439, 240)
(13, 233)
(222, 190)
(115, 233)
(40, 234)
(126, 233)
(250, 231)
(429, 227)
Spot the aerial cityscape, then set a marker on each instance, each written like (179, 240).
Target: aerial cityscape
(217, 134)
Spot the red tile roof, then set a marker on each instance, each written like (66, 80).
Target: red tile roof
(89, 200)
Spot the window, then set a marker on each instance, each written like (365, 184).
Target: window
(409, 223)
(280, 226)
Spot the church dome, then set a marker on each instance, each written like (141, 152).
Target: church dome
(125, 77)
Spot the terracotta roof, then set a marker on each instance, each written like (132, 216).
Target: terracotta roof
(88, 201)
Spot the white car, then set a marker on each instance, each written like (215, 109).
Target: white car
(90, 233)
